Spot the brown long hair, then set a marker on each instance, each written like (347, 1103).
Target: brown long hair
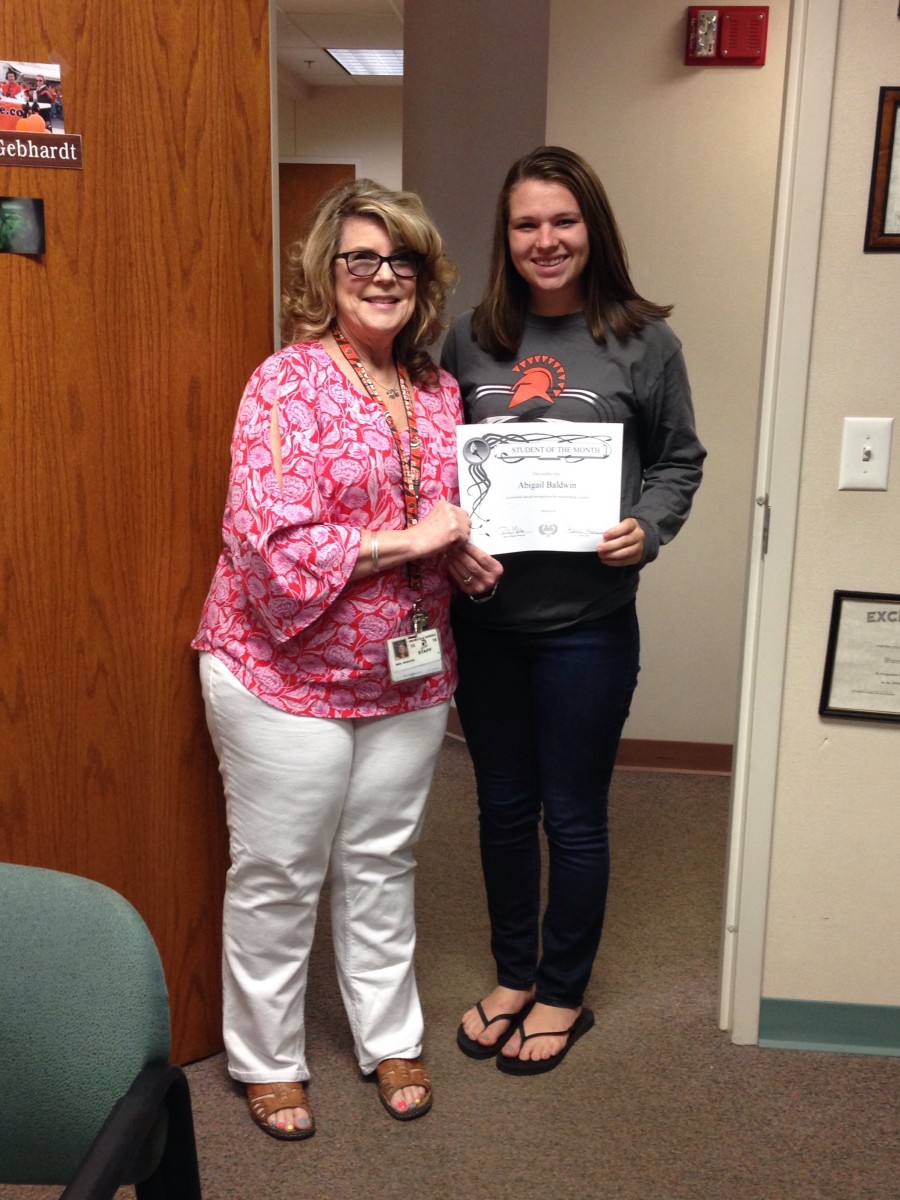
(611, 302)
(307, 299)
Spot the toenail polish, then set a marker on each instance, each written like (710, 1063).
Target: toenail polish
(402, 1106)
(281, 1124)
(290, 1129)
(304, 1124)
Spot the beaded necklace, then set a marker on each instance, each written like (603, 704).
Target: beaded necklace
(410, 464)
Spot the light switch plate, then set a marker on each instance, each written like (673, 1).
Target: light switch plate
(866, 454)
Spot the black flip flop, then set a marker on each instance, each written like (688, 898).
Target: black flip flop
(537, 1066)
(476, 1049)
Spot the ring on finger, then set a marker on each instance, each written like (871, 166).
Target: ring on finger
(468, 579)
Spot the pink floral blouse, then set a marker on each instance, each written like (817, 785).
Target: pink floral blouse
(282, 613)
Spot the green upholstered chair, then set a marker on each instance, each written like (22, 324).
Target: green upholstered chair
(88, 1098)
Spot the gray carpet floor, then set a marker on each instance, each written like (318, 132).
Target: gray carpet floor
(655, 1103)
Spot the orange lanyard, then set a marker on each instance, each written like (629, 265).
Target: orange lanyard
(410, 465)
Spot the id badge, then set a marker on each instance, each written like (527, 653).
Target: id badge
(415, 655)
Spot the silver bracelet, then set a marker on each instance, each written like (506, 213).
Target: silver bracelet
(373, 547)
(484, 597)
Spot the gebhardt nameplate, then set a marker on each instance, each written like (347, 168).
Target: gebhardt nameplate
(60, 150)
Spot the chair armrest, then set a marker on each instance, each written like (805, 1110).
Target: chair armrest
(115, 1151)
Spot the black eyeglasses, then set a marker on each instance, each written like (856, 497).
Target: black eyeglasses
(405, 264)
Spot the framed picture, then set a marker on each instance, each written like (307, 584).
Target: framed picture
(862, 663)
(883, 225)
(21, 225)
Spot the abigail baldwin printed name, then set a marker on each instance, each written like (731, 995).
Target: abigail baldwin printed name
(546, 483)
(41, 150)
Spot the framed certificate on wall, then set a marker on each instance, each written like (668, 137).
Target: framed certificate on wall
(883, 225)
(862, 662)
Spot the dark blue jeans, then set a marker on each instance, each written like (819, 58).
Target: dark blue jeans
(543, 714)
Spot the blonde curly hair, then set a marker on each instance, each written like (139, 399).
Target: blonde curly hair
(308, 298)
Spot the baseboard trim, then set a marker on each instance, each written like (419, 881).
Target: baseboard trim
(822, 1025)
(638, 754)
(694, 758)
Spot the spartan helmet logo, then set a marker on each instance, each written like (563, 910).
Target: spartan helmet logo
(542, 378)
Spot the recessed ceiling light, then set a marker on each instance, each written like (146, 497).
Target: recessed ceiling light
(369, 62)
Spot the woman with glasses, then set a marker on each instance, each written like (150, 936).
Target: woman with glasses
(548, 661)
(326, 714)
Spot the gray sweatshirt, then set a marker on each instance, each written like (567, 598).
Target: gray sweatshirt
(560, 373)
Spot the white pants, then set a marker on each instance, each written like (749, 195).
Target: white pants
(308, 798)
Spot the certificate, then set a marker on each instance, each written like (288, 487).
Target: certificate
(862, 665)
(540, 485)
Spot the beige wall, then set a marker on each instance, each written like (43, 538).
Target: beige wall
(689, 158)
(469, 112)
(834, 907)
(345, 124)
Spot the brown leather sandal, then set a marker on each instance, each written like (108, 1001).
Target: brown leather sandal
(396, 1073)
(267, 1098)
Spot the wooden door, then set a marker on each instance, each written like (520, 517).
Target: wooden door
(125, 349)
(300, 187)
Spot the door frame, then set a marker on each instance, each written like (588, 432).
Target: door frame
(806, 124)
